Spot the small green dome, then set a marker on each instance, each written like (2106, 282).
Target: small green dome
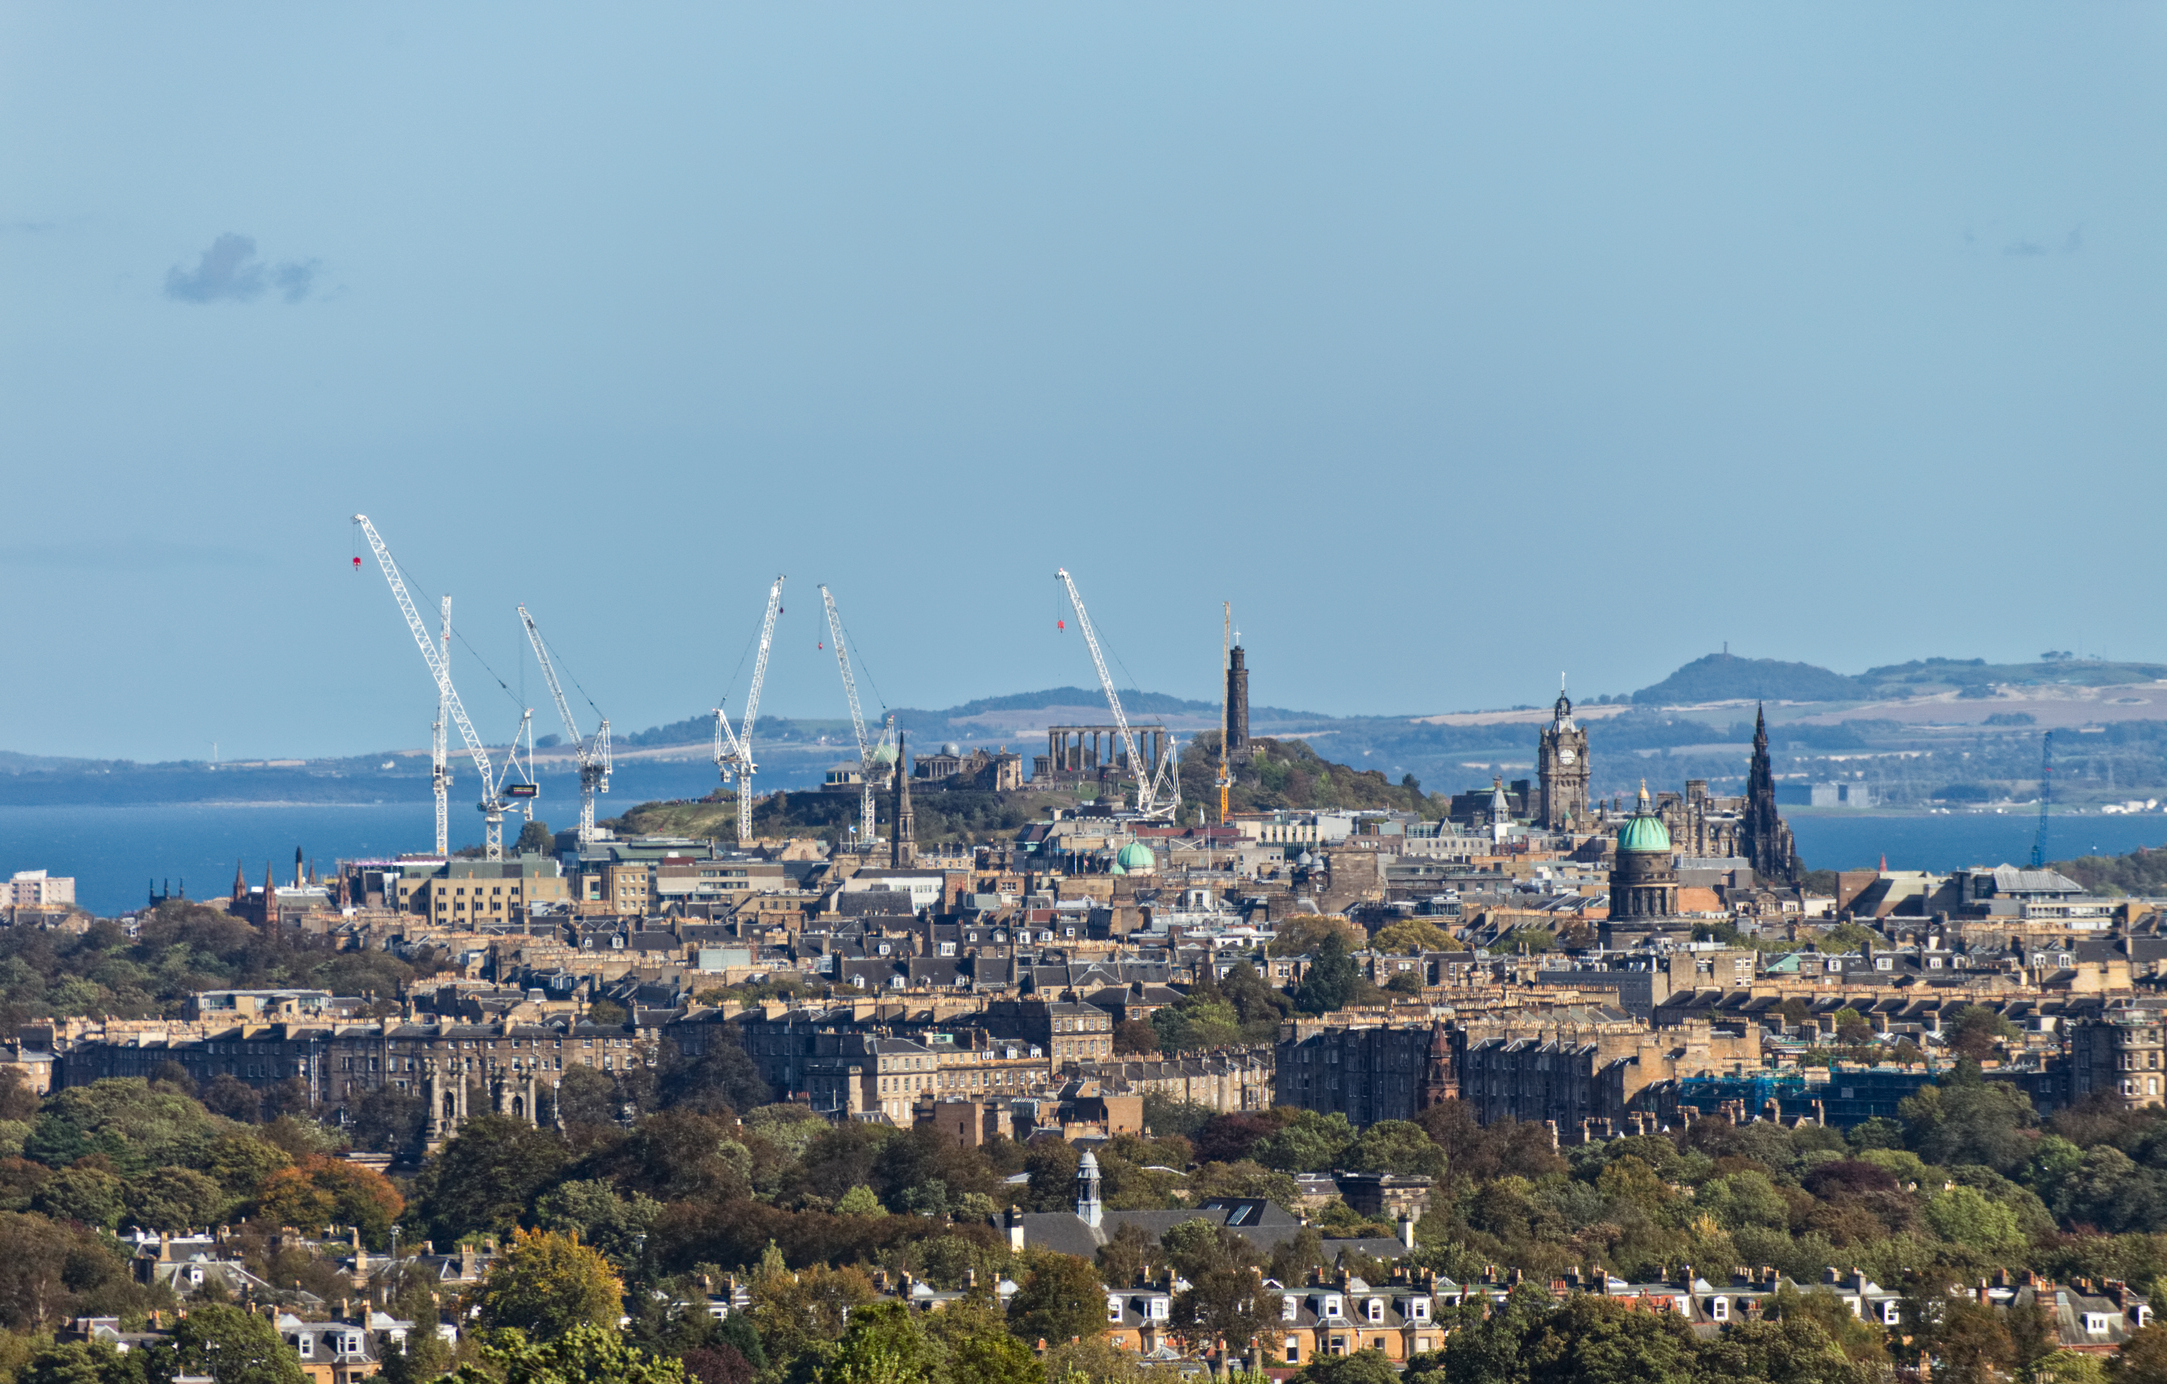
(1644, 833)
(1136, 857)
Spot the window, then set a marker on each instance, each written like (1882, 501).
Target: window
(1418, 1309)
(1376, 1310)
(1332, 1306)
(1289, 1310)
(305, 1344)
(1113, 1308)
(2095, 1323)
(1294, 1350)
(1891, 1313)
(1719, 1309)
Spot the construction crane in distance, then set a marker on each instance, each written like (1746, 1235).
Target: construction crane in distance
(1150, 805)
(593, 755)
(439, 752)
(2046, 792)
(857, 721)
(492, 803)
(733, 748)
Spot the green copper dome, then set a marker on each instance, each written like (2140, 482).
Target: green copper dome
(1136, 858)
(1645, 832)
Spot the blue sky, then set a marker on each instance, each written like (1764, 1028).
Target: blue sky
(1455, 344)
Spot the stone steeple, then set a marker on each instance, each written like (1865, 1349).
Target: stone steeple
(903, 847)
(1764, 835)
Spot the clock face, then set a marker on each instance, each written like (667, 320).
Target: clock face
(1566, 756)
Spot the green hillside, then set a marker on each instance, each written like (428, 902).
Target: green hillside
(1727, 677)
(1289, 775)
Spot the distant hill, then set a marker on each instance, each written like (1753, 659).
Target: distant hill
(1727, 677)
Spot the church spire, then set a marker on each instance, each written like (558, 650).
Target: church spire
(903, 847)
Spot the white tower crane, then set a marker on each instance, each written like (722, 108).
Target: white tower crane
(594, 761)
(439, 751)
(492, 805)
(733, 749)
(1158, 794)
(857, 722)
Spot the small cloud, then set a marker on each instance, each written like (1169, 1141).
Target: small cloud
(2024, 247)
(2075, 241)
(294, 279)
(229, 271)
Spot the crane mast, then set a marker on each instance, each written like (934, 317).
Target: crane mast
(1148, 803)
(439, 755)
(733, 749)
(857, 721)
(593, 756)
(492, 806)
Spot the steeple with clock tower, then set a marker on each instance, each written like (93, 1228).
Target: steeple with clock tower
(1561, 761)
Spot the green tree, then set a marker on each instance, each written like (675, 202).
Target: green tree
(134, 1124)
(1965, 1119)
(860, 1200)
(1792, 1350)
(534, 838)
(1304, 933)
(1310, 1142)
(1224, 1300)
(1412, 936)
(82, 1362)
(1061, 1297)
(174, 1199)
(1197, 1023)
(1976, 1031)
(1395, 1146)
(585, 1354)
(1971, 1218)
(87, 1194)
(546, 1283)
(234, 1346)
(485, 1176)
(2142, 1358)
(591, 1209)
(1363, 1367)
(1333, 980)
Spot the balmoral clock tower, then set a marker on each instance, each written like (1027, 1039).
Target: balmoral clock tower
(1561, 760)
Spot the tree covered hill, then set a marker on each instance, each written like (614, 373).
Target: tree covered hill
(1289, 775)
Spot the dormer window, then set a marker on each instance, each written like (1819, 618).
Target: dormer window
(1719, 1309)
(1892, 1313)
(2143, 1315)
(1290, 1309)
(1160, 1307)
(1332, 1306)
(1113, 1308)
(1418, 1309)
(2095, 1323)
(305, 1344)
(1376, 1310)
